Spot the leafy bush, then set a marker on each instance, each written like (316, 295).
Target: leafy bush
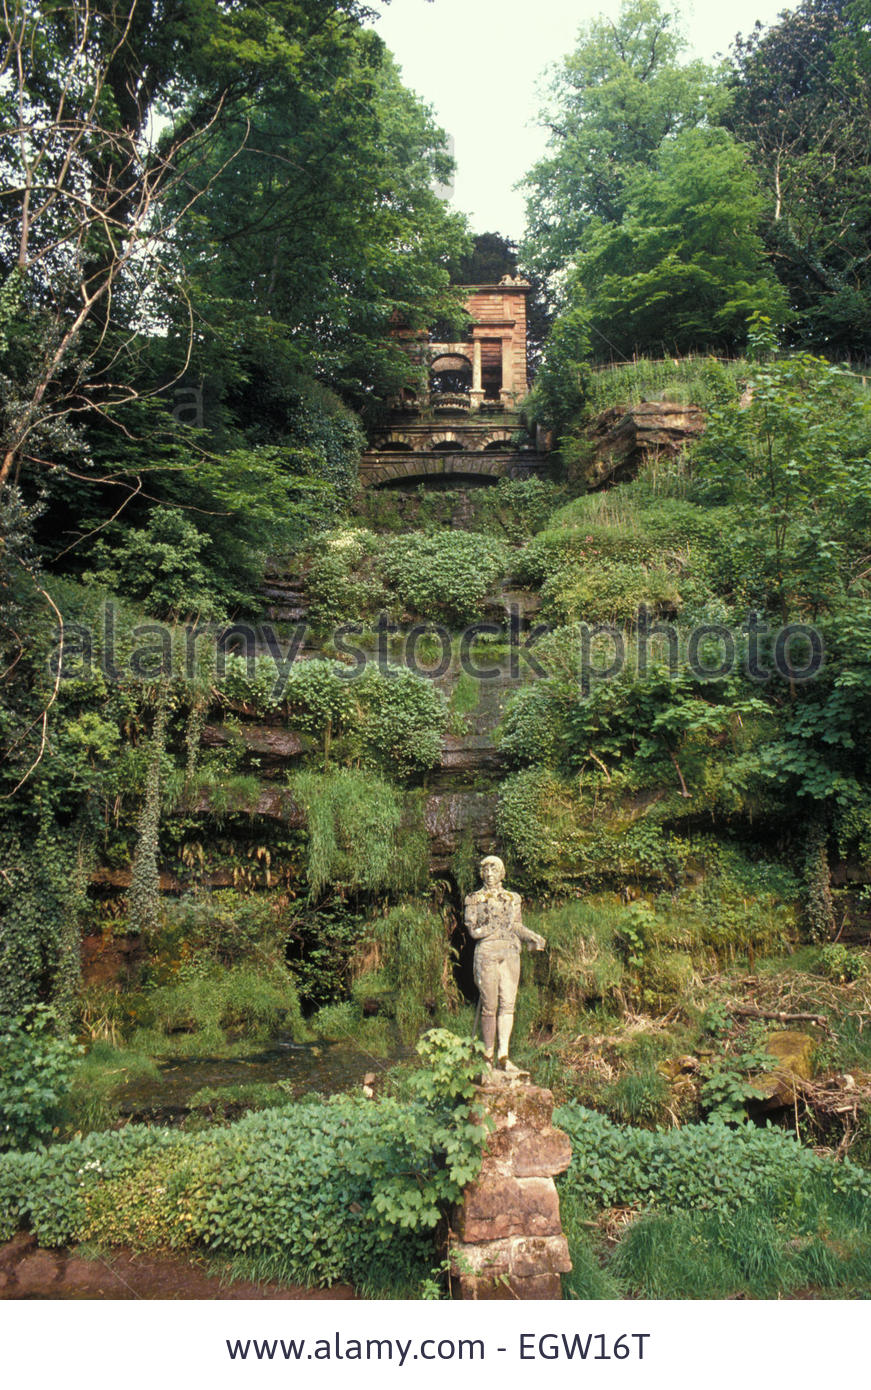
(582, 964)
(627, 526)
(36, 1068)
(514, 509)
(340, 578)
(161, 566)
(727, 1083)
(559, 839)
(445, 575)
(391, 719)
(839, 963)
(401, 719)
(612, 592)
(223, 926)
(709, 1167)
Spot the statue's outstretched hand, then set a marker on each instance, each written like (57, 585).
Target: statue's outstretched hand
(539, 943)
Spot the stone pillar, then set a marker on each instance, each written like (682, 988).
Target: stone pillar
(476, 395)
(506, 1238)
(476, 365)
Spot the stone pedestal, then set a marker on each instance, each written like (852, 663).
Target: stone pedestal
(507, 1241)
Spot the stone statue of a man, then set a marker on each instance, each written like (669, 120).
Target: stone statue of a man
(492, 917)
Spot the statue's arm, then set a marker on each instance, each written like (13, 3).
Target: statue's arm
(536, 941)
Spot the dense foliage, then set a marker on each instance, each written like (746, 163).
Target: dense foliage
(723, 1212)
(675, 198)
(321, 1191)
(264, 826)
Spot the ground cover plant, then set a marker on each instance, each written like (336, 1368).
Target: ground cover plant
(710, 1211)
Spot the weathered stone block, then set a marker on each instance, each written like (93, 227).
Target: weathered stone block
(542, 1155)
(527, 1107)
(539, 1287)
(534, 1255)
(501, 1206)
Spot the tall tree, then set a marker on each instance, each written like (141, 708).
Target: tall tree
(801, 100)
(106, 114)
(685, 267)
(325, 230)
(612, 103)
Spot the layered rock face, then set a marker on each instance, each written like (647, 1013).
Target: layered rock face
(507, 1240)
(622, 440)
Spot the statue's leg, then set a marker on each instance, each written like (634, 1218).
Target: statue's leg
(504, 1027)
(488, 1033)
(486, 973)
(509, 978)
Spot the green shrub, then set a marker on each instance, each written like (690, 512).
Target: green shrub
(36, 1069)
(224, 926)
(558, 838)
(390, 719)
(340, 581)
(840, 964)
(628, 527)
(444, 576)
(516, 508)
(320, 945)
(162, 566)
(401, 719)
(709, 1167)
(609, 592)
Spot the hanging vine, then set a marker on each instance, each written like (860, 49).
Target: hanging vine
(144, 896)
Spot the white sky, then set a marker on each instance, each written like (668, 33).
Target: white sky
(443, 48)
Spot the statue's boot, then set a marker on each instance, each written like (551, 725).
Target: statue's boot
(505, 1064)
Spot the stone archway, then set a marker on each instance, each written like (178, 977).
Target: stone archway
(396, 442)
(496, 440)
(450, 374)
(446, 442)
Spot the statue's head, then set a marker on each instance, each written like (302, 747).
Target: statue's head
(492, 871)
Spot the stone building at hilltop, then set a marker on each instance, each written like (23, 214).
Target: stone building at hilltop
(465, 422)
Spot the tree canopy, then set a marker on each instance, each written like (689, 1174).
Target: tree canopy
(615, 99)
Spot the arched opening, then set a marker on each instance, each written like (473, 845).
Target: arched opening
(496, 446)
(436, 482)
(450, 375)
(447, 446)
(398, 446)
